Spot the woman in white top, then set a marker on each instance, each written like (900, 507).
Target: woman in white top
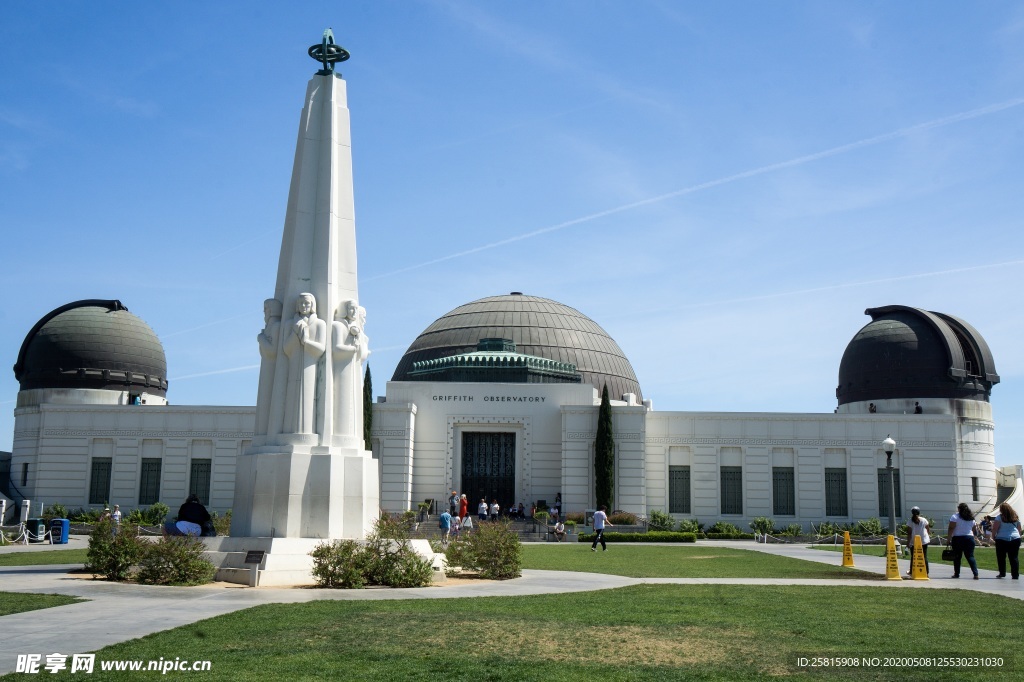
(919, 527)
(961, 534)
(1006, 530)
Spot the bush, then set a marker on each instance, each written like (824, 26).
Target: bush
(338, 564)
(621, 518)
(54, 511)
(660, 520)
(155, 515)
(649, 536)
(831, 528)
(793, 530)
(729, 536)
(82, 515)
(222, 524)
(540, 518)
(175, 561)
(724, 528)
(868, 527)
(113, 554)
(691, 526)
(579, 517)
(493, 550)
(762, 525)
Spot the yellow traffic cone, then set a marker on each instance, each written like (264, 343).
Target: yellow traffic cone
(892, 567)
(917, 568)
(847, 550)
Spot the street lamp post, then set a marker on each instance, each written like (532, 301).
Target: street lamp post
(889, 445)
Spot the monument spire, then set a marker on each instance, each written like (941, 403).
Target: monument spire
(308, 435)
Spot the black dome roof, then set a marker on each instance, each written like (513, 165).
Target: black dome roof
(912, 353)
(538, 326)
(92, 344)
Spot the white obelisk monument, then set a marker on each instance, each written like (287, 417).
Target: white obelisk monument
(307, 474)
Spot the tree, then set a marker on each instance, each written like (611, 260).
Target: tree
(604, 454)
(367, 408)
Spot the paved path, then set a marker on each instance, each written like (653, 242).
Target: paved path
(119, 612)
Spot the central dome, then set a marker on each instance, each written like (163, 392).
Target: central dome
(537, 326)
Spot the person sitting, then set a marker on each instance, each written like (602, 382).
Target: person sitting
(192, 519)
(558, 531)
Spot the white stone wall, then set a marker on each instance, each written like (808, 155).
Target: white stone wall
(58, 442)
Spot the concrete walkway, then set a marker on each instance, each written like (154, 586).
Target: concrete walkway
(118, 612)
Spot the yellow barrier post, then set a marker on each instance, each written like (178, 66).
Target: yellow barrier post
(892, 567)
(847, 550)
(917, 567)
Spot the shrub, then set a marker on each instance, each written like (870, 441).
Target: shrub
(175, 561)
(54, 511)
(792, 529)
(338, 564)
(113, 554)
(724, 528)
(728, 536)
(387, 558)
(578, 517)
(494, 550)
(570, 525)
(691, 526)
(458, 556)
(82, 515)
(867, 527)
(222, 524)
(650, 536)
(660, 520)
(621, 518)
(540, 518)
(155, 515)
(762, 525)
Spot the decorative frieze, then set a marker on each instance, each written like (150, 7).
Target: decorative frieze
(790, 442)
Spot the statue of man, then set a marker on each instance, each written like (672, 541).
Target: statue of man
(349, 347)
(268, 342)
(304, 344)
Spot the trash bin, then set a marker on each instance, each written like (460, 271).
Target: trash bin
(59, 531)
(36, 529)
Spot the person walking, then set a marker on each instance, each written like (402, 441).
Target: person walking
(463, 506)
(1007, 532)
(445, 523)
(918, 527)
(962, 529)
(600, 521)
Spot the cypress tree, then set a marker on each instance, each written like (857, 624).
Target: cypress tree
(367, 408)
(604, 454)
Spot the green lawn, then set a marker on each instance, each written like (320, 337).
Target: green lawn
(985, 556)
(45, 558)
(17, 602)
(649, 632)
(680, 561)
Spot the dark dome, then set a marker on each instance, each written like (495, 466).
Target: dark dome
(538, 326)
(912, 353)
(92, 344)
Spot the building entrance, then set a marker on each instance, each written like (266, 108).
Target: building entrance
(489, 468)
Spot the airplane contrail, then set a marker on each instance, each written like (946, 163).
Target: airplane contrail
(800, 160)
(832, 287)
(243, 368)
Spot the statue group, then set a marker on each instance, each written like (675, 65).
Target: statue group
(303, 389)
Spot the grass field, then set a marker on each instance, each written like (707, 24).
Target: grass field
(650, 632)
(46, 558)
(17, 602)
(985, 556)
(680, 561)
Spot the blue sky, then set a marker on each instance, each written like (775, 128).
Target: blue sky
(724, 187)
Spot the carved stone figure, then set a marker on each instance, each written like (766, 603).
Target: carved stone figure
(303, 344)
(268, 340)
(349, 348)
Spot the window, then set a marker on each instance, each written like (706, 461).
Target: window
(732, 490)
(99, 480)
(199, 480)
(24, 473)
(835, 493)
(783, 491)
(149, 482)
(883, 493)
(974, 488)
(679, 490)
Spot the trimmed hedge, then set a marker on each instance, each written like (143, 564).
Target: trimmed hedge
(650, 536)
(729, 536)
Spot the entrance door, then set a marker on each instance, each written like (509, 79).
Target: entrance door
(489, 468)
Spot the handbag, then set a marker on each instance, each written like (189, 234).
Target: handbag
(947, 553)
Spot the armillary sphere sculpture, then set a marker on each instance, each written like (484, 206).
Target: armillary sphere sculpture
(328, 53)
